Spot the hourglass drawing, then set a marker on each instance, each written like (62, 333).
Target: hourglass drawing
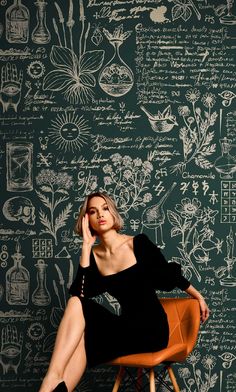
(116, 78)
(19, 167)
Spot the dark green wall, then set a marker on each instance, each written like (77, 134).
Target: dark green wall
(153, 126)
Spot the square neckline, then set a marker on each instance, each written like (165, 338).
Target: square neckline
(116, 273)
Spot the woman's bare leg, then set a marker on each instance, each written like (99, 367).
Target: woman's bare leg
(75, 367)
(69, 335)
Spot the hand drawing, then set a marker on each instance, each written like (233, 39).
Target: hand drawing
(11, 348)
(10, 87)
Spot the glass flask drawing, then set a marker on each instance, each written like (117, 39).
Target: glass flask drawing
(41, 34)
(226, 163)
(17, 281)
(116, 78)
(229, 280)
(19, 167)
(17, 23)
(41, 296)
(229, 18)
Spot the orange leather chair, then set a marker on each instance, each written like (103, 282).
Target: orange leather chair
(184, 322)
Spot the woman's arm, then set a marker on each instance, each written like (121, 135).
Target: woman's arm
(203, 306)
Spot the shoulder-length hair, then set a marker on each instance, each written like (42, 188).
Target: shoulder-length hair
(118, 221)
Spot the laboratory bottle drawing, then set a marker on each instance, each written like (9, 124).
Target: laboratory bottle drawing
(41, 296)
(41, 34)
(226, 163)
(17, 23)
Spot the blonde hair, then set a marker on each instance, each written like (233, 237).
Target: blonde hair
(118, 221)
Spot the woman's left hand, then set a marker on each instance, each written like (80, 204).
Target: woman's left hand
(205, 312)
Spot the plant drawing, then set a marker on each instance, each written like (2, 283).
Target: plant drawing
(191, 222)
(73, 75)
(55, 185)
(126, 180)
(195, 134)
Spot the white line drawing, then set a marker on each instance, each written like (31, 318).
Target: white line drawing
(41, 295)
(115, 305)
(74, 74)
(116, 78)
(4, 255)
(228, 359)
(229, 18)
(43, 142)
(197, 380)
(62, 284)
(195, 134)
(44, 159)
(10, 87)
(69, 131)
(157, 15)
(126, 180)
(154, 217)
(186, 222)
(226, 163)
(41, 34)
(230, 259)
(227, 96)
(17, 23)
(183, 9)
(54, 184)
(36, 69)
(11, 348)
(19, 161)
(17, 281)
(36, 331)
(228, 202)
(63, 253)
(42, 248)
(162, 121)
(19, 208)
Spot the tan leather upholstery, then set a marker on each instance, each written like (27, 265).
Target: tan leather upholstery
(184, 322)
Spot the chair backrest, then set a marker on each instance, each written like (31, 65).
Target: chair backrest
(184, 320)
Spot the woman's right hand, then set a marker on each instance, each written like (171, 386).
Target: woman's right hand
(88, 238)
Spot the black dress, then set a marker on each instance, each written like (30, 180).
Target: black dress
(142, 324)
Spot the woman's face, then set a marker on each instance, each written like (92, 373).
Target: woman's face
(100, 218)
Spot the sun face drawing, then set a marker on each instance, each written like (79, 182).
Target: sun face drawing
(69, 131)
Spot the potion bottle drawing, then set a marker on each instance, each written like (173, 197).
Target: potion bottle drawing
(226, 163)
(17, 23)
(41, 34)
(229, 18)
(116, 78)
(17, 281)
(41, 296)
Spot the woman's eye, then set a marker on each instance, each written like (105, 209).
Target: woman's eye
(106, 208)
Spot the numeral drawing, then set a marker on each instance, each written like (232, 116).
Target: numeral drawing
(19, 208)
(73, 75)
(19, 167)
(11, 348)
(55, 186)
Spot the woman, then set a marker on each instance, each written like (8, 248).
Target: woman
(128, 268)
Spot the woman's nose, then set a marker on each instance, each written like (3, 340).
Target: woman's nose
(99, 214)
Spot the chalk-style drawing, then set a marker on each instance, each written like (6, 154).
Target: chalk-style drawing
(195, 134)
(228, 201)
(19, 162)
(134, 224)
(154, 217)
(19, 208)
(230, 259)
(36, 69)
(62, 285)
(97, 36)
(162, 121)
(228, 359)
(10, 87)
(157, 15)
(116, 78)
(183, 9)
(41, 295)
(17, 23)
(86, 182)
(43, 142)
(17, 281)
(36, 331)
(44, 159)
(69, 131)
(191, 222)
(195, 380)
(41, 35)
(126, 180)
(63, 253)
(227, 96)
(54, 184)
(42, 248)
(228, 18)
(4, 255)
(115, 305)
(74, 74)
(226, 163)
(11, 348)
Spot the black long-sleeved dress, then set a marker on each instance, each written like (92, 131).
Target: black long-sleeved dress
(142, 324)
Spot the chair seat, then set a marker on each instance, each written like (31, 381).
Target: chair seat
(176, 352)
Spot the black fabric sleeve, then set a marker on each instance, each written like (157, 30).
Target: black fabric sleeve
(164, 276)
(87, 283)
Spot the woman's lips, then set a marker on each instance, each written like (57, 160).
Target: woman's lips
(101, 222)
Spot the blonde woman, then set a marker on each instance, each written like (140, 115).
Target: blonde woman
(128, 268)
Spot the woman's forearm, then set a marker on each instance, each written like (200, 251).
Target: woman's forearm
(193, 292)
